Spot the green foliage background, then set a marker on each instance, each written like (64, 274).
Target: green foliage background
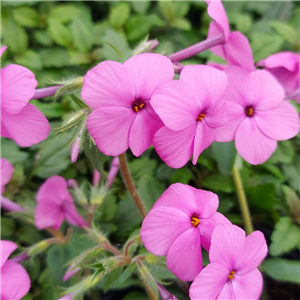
(62, 39)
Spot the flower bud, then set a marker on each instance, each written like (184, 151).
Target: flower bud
(37, 248)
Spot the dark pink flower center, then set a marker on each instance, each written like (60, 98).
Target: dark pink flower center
(200, 117)
(195, 221)
(249, 111)
(231, 275)
(137, 105)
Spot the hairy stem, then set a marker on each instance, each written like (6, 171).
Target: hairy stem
(56, 233)
(130, 184)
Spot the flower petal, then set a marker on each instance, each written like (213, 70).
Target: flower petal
(9, 205)
(255, 251)
(248, 286)
(175, 148)
(148, 71)
(161, 227)
(15, 281)
(227, 246)
(227, 293)
(7, 170)
(209, 282)
(110, 128)
(184, 257)
(72, 216)
(142, 130)
(252, 144)
(204, 137)
(217, 116)
(213, 31)
(207, 227)
(176, 104)
(18, 86)
(179, 196)
(279, 123)
(208, 83)
(108, 84)
(26, 128)
(7, 247)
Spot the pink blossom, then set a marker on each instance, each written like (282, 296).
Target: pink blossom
(258, 116)
(180, 222)
(20, 120)
(232, 272)
(191, 109)
(120, 96)
(285, 66)
(113, 171)
(56, 204)
(15, 282)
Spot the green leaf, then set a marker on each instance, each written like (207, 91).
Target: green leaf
(43, 37)
(65, 13)
(136, 296)
(111, 278)
(26, 16)
(8, 227)
(119, 14)
(108, 208)
(182, 175)
(49, 110)
(140, 7)
(293, 202)
(142, 166)
(60, 33)
(284, 153)
(282, 269)
(167, 9)
(218, 182)
(285, 237)
(225, 154)
(82, 37)
(128, 272)
(30, 59)
(286, 31)
(11, 151)
(55, 57)
(183, 24)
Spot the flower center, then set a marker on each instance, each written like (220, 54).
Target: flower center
(200, 117)
(249, 111)
(195, 221)
(231, 275)
(137, 105)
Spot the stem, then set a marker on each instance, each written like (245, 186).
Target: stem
(56, 233)
(242, 200)
(130, 184)
(197, 48)
(46, 92)
(107, 246)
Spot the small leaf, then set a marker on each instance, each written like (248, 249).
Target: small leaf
(11, 151)
(82, 37)
(140, 7)
(31, 60)
(293, 202)
(286, 31)
(26, 16)
(127, 273)
(55, 57)
(111, 278)
(60, 33)
(119, 14)
(218, 182)
(225, 154)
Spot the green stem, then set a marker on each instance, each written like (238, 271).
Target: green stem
(130, 184)
(242, 200)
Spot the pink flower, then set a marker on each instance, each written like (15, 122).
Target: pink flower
(20, 120)
(7, 170)
(113, 171)
(191, 109)
(285, 66)
(232, 272)
(120, 96)
(258, 116)
(56, 204)
(15, 282)
(180, 222)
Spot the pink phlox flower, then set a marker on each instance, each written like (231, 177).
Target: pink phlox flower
(191, 109)
(54, 204)
(20, 120)
(285, 66)
(232, 272)
(120, 96)
(258, 116)
(180, 222)
(7, 170)
(15, 281)
(236, 50)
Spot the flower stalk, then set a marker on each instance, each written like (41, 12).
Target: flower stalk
(46, 92)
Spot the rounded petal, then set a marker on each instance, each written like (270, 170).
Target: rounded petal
(48, 214)
(26, 128)
(227, 293)
(279, 123)
(213, 31)
(227, 246)
(7, 247)
(184, 257)
(142, 130)
(179, 196)
(15, 281)
(204, 137)
(7, 170)
(288, 60)
(208, 83)
(217, 116)
(256, 250)
(108, 84)
(248, 286)
(252, 144)
(161, 227)
(72, 216)
(176, 104)
(17, 88)
(110, 127)
(207, 227)
(175, 148)
(148, 71)
(209, 282)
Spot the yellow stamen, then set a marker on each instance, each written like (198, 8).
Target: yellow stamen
(231, 275)
(200, 117)
(195, 221)
(249, 111)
